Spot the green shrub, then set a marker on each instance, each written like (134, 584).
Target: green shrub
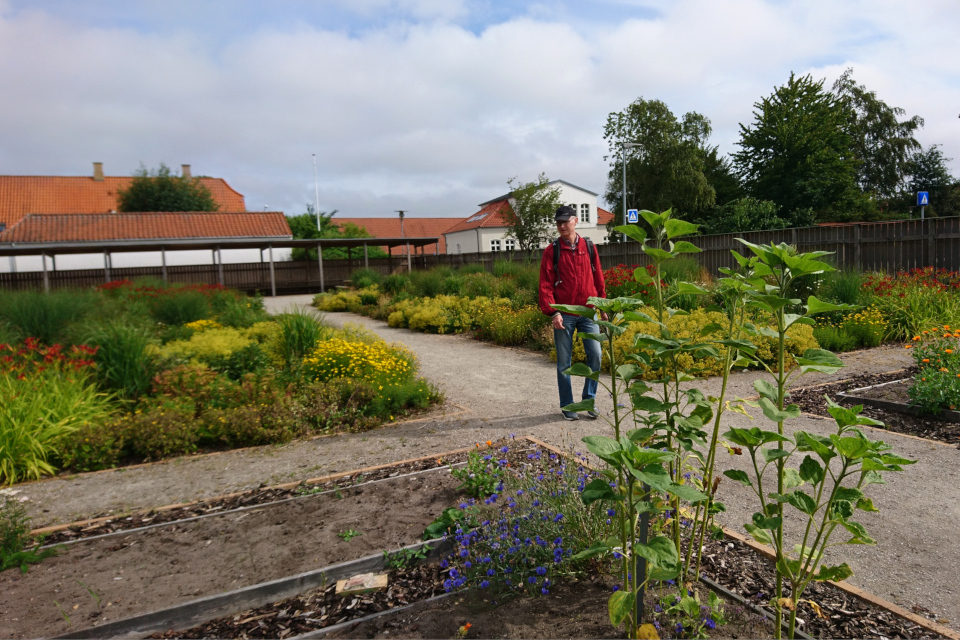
(159, 431)
(8, 333)
(843, 287)
(397, 399)
(469, 269)
(48, 317)
(505, 325)
(94, 446)
(337, 405)
(426, 284)
(238, 363)
(36, 412)
(395, 283)
(15, 535)
(125, 359)
(480, 285)
(453, 285)
(682, 268)
(835, 339)
(179, 306)
(506, 268)
(205, 345)
(241, 312)
(196, 385)
(298, 333)
(254, 425)
(529, 278)
(364, 278)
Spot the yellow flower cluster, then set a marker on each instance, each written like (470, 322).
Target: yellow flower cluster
(441, 314)
(203, 325)
(377, 363)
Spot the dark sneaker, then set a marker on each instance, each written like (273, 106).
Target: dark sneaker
(570, 415)
(592, 415)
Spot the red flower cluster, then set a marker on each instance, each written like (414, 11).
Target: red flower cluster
(32, 357)
(621, 283)
(128, 288)
(928, 278)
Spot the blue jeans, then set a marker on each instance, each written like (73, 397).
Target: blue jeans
(563, 339)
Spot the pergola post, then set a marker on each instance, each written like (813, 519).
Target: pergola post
(273, 277)
(106, 265)
(409, 259)
(320, 262)
(163, 263)
(389, 259)
(46, 276)
(220, 264)
(366, 257)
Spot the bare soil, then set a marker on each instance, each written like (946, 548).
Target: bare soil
(161, 567)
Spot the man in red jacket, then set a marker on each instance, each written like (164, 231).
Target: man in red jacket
(571, 278)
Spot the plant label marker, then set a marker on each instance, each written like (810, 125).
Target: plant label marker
(363, 583)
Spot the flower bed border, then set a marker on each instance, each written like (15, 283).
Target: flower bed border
(888, 404)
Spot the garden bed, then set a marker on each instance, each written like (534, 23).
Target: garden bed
(811, 400)
(124, 575)
(894, 396)
(739, 566)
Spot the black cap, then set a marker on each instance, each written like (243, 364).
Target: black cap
(564, 213)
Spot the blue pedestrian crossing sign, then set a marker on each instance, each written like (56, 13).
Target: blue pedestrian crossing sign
(923, 198)
(632, 216)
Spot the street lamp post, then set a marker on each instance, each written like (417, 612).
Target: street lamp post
(316, 188)
(623, 186)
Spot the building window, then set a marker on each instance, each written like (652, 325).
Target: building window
(509, 244)
(584, 213)
(494, 245)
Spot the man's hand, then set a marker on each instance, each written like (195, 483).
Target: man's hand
(558, 321)
(604, 317)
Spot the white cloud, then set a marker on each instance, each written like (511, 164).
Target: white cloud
(426, 114)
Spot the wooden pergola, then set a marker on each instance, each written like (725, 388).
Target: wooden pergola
(215, 245)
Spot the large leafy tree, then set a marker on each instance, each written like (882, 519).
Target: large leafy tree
(798, 153)
(310, 226)
(666, 168)
(533, 207)
(881, 140)
(160, 190)
(928, 172)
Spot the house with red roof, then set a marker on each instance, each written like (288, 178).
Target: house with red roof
(486, 230)
(409, 228)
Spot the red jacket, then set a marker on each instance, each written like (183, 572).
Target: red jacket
(578, 280)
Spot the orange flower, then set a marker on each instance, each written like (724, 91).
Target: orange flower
(915, 338)
(923, 379)
(908, 346)
(926, 359)
(489, 443)
(948, 350)
(943, 369)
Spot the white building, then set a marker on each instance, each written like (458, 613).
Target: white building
(486, 230)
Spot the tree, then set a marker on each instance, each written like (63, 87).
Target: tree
(533, 208)
(928, 172)
(160, 190)
(304, 227)
(882, 142)
(745, 214)
(666, 169)
(798, 153)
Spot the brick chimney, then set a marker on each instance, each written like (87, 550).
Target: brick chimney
(98, 172)
(185, 171)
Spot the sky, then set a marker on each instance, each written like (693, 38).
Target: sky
(428, 106)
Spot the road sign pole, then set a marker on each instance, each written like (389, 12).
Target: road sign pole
(921, 212)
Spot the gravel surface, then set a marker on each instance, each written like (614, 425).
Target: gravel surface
(494, 391)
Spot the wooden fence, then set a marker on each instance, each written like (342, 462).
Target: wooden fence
(881, 246)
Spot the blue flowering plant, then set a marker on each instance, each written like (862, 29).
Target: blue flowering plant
(481, 475)
(687, 616)
(526, 534)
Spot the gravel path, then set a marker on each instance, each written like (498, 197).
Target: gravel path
(493, 391)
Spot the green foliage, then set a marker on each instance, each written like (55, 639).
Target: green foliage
(479, 478)
(443, 524)
(833, 338)
(36, 412)
(798, 153)
(363, 278)
(15, 538)
(929, 172)
(45, 316)
(508, 325)
(936, 386)
(125, 362)
(745, 214)
(241, 312)
(667, 168)
(305, 227)
(530, 218)
(882, 142)
(395, 283)
(299, 332)
(240, 362)
(160, 190)
(843, 286)
(204, 346)
(426, 284)
(339, 405)
(160, 431)
(179, 306)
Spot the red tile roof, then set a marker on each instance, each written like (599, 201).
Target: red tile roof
(20, 195)
(412, 228)
(102, 227)
(494, 214)
(603, 216)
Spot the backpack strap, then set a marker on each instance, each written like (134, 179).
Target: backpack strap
(591, 250)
